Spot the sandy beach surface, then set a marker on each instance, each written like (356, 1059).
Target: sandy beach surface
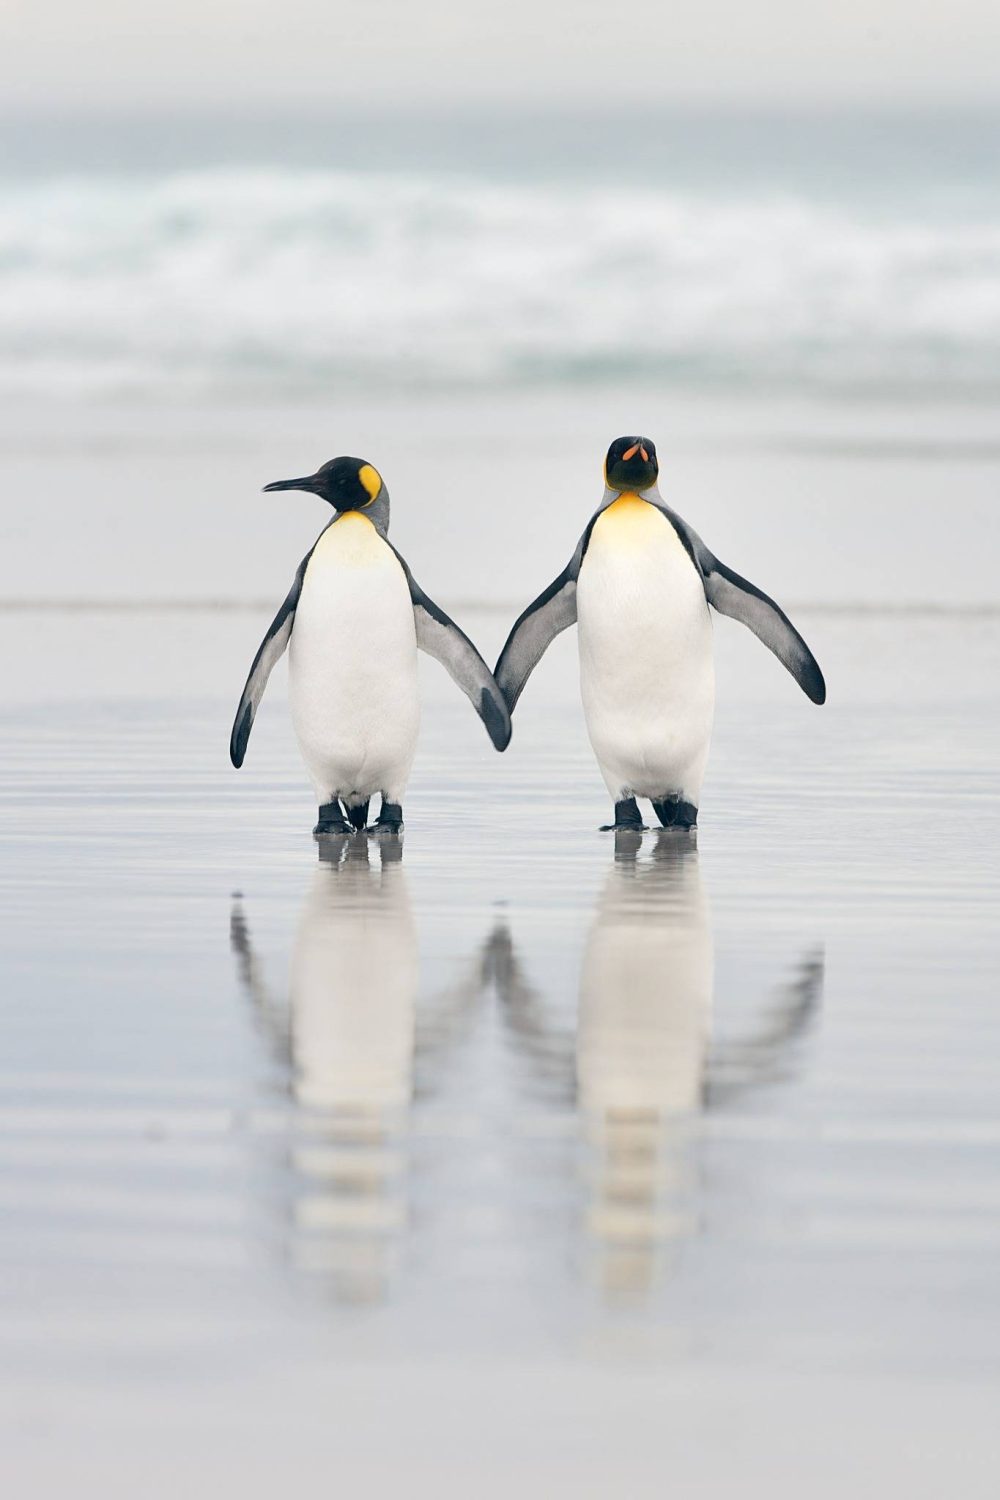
(507, 1157)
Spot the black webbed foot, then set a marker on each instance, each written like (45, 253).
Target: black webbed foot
(390, 818)
(331, 820)
(627, 815)
(673, 813)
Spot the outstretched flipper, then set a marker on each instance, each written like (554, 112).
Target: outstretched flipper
(440, 637)
(546, 617)
(555, 610)
(273, 645)
(534, 631)
(732, 595)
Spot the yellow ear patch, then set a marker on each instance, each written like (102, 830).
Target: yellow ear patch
(371, 479)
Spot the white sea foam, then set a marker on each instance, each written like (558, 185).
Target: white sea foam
(272, 280)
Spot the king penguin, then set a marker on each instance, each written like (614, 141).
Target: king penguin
(354, 619)
(639, 585)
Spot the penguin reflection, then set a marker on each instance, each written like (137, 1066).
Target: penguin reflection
(353, 987)
(642, 1038)
(640, 1063)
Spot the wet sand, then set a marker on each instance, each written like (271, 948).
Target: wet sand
(818, 498)
(507, 1156)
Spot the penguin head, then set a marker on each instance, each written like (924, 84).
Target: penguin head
(344, 483)
(631, 464)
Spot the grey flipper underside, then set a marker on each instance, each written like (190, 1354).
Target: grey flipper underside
(440, 637)
(534, 631)
(732, 595)
(279, 633)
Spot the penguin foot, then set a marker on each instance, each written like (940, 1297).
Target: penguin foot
(673, 813)
(627, 816)
(390, 819)
(331, 820)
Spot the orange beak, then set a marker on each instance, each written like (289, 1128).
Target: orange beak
(635, 448)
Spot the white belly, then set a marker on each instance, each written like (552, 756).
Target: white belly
(647, 675)
(353, 667)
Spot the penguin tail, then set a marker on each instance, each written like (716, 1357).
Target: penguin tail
(358, 816)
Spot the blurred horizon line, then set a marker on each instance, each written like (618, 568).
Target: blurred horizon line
(606, 107)
(535, 137)
(204, 605)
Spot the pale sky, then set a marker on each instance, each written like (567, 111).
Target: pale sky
(71, 55)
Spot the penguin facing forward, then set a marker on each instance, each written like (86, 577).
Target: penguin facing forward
(639, 585)
(354, 619)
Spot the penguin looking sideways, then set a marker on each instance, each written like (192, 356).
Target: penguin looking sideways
(354, 619)
(639, 585)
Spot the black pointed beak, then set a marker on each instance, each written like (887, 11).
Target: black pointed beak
(308, 483)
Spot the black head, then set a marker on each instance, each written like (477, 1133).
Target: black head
(631, 464)
(345, 483)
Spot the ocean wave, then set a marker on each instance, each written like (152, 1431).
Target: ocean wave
(223, 280)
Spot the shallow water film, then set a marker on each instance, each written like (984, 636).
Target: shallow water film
(510, 1152)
